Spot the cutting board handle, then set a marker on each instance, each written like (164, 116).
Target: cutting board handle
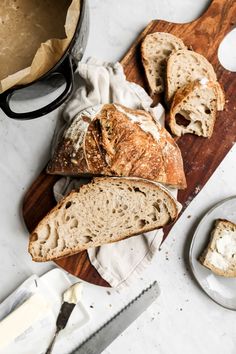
(208, 31)
(219, 18)
(218, 3)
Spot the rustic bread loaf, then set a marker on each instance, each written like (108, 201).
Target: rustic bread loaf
(185, 66)
(197, 103)
(103, 211)
(220, 254)
(117, 141)
(155, 50)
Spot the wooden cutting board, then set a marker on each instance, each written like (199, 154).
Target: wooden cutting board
(201, 156)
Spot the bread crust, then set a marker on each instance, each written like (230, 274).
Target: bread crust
(96, 180)
(176, 42)
(116, 144)
(210, 74)
(181, 96)
(215, 270)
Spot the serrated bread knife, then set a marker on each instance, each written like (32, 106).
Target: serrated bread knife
(101, 339)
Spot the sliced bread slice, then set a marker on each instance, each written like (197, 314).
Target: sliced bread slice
(220, 254)
(155, 50)
(197, 104)
(103, 211)
(185, 66)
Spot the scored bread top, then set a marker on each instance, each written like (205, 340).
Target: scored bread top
(118, 141)
(155, 50)
(197, 103)
(103, 211)
(185, 66)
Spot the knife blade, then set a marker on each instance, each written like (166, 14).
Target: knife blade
(101, 339)
(62, 319)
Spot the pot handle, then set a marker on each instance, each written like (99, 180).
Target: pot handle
(66, 69)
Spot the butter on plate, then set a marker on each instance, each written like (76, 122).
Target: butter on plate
(220, 254)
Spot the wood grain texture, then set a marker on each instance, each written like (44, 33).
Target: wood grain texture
(201, 156)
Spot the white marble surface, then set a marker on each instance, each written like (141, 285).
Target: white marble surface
(183, 319)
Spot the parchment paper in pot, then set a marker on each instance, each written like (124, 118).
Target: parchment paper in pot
(48, 52)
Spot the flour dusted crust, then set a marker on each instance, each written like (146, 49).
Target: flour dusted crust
(69, 156)
(117, 141)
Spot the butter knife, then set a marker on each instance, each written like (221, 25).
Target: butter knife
(70, 298)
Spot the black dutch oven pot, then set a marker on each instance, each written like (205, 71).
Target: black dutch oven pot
(50, 81)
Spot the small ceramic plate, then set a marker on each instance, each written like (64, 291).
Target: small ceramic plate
(220, 289)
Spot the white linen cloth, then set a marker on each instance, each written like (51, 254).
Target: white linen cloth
(99, 82)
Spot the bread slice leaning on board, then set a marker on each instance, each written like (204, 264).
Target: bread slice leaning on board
(185, 66)
(155, 50)
(113, 140)
(220, 254)
(103, 211)
(197, 103)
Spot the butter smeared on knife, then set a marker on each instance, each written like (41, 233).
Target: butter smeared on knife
(70, 298)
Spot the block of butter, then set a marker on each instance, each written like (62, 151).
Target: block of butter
(22, 318)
